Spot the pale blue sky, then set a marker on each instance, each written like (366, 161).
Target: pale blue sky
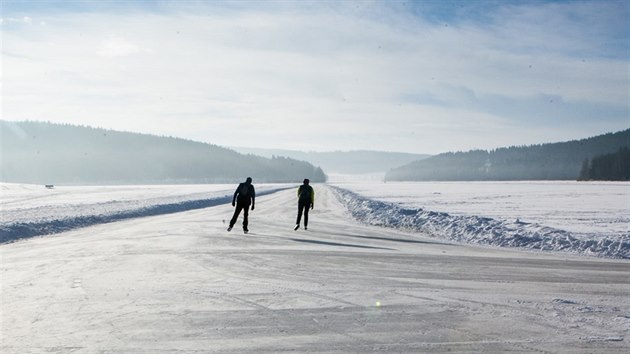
(414, 76)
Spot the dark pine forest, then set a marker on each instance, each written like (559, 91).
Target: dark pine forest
(555, 161)
(609, 167)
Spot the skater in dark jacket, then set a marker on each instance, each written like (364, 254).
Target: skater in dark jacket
(306, 201)
(244, 196)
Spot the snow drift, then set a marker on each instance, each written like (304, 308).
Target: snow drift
(46, 219)
(481, 230)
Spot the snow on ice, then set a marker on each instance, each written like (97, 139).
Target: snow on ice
(30, 210)
(482, 230)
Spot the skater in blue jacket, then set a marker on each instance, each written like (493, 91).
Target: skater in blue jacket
(244, 196)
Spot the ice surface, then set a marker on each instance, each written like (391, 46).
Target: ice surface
(182, 283)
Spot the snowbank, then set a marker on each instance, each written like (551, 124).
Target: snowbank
(481, 230)
(46, 219)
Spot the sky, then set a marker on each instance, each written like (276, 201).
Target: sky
(409, 76)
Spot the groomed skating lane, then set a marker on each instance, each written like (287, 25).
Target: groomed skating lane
(181, 283)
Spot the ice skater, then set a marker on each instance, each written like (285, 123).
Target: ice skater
(306, 201)
(244, 196)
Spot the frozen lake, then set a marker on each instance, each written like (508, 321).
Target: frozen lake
(601, 208)
(588, 218)
(179, 282)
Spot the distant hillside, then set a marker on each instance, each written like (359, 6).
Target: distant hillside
(46, 153)
(556, 161)
(346, 162)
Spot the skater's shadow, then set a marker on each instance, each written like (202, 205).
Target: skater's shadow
(396, 239)
(339, 244)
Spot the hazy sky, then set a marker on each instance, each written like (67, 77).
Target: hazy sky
(413, 76)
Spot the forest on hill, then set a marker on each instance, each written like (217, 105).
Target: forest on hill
(553, 161)
(47, 153)
(609, 167)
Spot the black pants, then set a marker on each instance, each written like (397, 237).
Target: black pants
(240, 206)
(303, 206)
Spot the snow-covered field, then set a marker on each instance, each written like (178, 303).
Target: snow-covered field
(590, 218)
(599, 208)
